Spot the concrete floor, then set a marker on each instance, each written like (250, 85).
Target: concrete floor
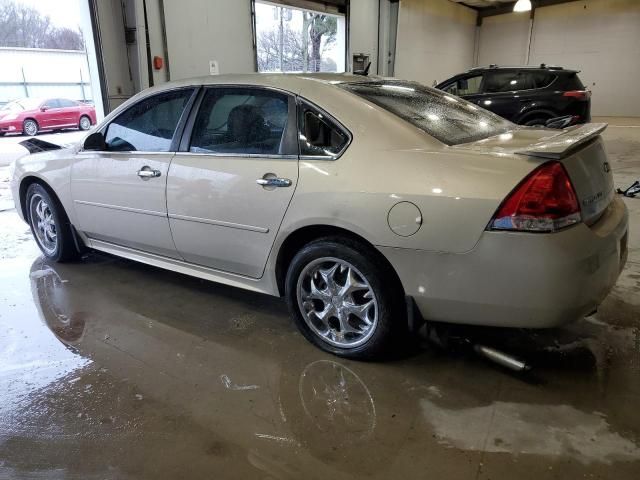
(111, 369)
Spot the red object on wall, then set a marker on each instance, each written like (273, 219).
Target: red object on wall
(158, 62)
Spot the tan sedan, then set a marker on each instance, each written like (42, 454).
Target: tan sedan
(354, 197)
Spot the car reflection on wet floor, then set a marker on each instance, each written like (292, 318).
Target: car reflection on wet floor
(111, 369)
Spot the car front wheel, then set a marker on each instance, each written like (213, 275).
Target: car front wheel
(343, 299)
(50, 225)
(30, 127)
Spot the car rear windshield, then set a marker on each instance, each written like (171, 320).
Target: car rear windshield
(450, 119)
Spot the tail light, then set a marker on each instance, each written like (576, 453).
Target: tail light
(579, 94)
(545, 201)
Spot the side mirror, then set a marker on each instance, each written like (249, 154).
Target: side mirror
(44, 108)
(95, 142)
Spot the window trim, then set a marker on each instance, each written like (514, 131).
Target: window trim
(185, 139)
(176, 134)
(302, 101)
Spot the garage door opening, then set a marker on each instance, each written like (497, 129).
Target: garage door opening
(292, 39)
(47, 52)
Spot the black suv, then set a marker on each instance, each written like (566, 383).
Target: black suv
(524, 95)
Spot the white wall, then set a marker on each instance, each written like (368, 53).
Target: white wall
(503, 39)
(599, 37)
(435, 40)
(363, 31)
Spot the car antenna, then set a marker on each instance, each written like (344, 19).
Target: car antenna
(364, 72)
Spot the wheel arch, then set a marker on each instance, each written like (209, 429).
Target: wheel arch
(25, 183)
(534, 113)
(306, 234)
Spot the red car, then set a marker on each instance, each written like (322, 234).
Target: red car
(31, 115)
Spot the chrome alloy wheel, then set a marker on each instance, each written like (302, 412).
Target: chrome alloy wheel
(44, 224)
(337, 302)
(85, 123)
(30, 128)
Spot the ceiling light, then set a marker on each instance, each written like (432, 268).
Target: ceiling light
(522, 6)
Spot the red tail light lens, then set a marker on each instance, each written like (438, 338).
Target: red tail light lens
(579, 94)
(545, 201)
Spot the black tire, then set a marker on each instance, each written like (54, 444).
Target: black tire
(391, 324)
(30, 127)
(84, 123)
(64, 248)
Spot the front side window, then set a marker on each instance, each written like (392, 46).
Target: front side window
(53, 103)
(149, 125)
(469, 85)
(242, 121)
(319, 135)
(450, 119)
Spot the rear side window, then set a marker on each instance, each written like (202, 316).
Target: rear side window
(506, 81)
(541, 79)
(242, 121)
(450, 119)
(64, 103)
(149, 125)
(319, 135)
(572, 82)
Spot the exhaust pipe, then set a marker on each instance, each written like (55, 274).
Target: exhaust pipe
(501, 358)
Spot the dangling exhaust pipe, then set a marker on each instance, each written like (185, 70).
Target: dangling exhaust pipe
(501, 358)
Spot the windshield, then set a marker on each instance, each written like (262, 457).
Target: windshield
(20, 105)
(450, 119)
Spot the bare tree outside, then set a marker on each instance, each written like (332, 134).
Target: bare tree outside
(24, 27)
(289, 44)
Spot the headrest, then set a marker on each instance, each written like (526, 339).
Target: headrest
(246, 124)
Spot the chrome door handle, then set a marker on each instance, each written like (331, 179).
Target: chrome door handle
(147, 172)
(273, 182)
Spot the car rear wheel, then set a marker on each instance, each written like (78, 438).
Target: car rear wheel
(50, 225)
(85, 123)
(343, 300)
(30, 127)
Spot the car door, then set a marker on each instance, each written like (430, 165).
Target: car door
(120, 194)
(506, 91)
(69, 112)
(230, 185)
(49, 115)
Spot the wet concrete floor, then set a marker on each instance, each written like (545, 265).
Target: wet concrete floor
(112, 369)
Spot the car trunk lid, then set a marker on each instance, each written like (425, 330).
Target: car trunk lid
(581, 151)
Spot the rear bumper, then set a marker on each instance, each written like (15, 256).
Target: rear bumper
(518, 280)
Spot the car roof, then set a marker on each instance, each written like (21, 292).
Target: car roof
(286, 81)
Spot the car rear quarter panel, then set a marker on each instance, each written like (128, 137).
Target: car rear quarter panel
(390, 161)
